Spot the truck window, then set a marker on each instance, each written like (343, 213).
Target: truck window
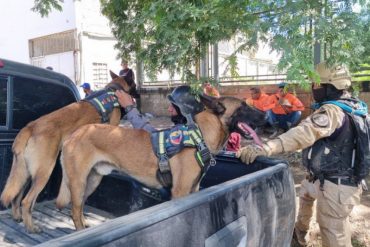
(33, 98)
(3, 100)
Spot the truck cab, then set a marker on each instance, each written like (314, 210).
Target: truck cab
(26, 93)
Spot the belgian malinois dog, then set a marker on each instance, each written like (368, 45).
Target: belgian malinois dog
(36, 147)
(87, 156)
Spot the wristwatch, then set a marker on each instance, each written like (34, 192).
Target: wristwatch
(129, 108)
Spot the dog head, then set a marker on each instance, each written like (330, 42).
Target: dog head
(235, 114)
(123, 82)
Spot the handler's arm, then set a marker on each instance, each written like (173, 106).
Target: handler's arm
(137, 120)
(320, 124)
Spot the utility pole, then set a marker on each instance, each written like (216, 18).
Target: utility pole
(215, 62)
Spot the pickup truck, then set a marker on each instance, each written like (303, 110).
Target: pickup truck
(237, 205)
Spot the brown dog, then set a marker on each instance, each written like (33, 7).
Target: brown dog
(87, 157)
(36, 148)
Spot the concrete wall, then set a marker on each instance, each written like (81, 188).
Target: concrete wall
(154, 100)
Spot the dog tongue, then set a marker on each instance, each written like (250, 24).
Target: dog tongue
(247, 129)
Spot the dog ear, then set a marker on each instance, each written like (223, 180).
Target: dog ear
(112, 74)
(213, 104)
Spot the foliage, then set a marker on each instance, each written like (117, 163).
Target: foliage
(172, 34)
(362, 73)
(44, 7)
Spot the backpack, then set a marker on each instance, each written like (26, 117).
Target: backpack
(357, 112)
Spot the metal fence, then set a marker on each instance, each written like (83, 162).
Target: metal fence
(225, 81)
(240, 80)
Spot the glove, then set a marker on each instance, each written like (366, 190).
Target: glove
(249, 153)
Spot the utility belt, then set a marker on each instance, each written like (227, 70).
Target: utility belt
(348, 181)
(343, 181)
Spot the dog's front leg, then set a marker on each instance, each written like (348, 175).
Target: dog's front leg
(77, 216)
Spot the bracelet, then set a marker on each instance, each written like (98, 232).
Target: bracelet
(129, 108)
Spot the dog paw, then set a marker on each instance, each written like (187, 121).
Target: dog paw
(34, 229)
(17, 219)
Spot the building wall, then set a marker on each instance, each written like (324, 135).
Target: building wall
(20, 24)
(155, 100)
(93, 35)
(97, 43)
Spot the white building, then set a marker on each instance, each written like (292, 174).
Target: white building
(76, 42)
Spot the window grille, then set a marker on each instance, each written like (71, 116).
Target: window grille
(100, 75)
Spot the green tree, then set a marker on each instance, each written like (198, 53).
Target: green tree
(171, 34)
(44, 7)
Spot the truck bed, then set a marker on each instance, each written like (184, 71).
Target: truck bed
(54, 223)
(237, 205)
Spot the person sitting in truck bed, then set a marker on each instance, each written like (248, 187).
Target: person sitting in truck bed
(138, 121)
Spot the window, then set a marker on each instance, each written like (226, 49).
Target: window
(33, 98)
(100, 75)
(3, 100)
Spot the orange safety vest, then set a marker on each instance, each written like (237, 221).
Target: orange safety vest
(263, 103)
(211, 92)
(297, 105)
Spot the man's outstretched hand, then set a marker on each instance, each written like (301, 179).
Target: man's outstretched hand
(249, 153)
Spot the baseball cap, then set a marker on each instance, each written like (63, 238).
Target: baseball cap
(282, 84)
(86, 85)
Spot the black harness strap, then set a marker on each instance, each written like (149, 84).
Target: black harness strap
(105, 100)
(164, 174)
(202, 155)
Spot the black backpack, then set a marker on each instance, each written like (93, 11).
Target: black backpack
(357, 112)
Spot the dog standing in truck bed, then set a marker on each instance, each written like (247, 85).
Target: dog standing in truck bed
(37, 145)
(87, 157)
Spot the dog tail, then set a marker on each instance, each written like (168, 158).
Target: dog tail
(64, 196)
(19, 173)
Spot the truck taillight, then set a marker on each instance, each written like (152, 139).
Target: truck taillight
(1, 64)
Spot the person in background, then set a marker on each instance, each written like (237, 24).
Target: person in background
(259, 100)
(328, 142)
(286, 112)
(126, 71)
(210, 90)
(87, 89)
(129, 75)
(262, 102)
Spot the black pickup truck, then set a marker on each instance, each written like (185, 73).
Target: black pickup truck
(238, 205)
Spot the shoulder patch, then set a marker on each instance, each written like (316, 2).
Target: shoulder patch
(320, 119)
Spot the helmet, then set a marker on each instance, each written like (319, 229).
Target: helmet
(338, 76)
(185, 100)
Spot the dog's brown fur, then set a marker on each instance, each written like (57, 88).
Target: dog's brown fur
(86, 156)
(35, 151)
